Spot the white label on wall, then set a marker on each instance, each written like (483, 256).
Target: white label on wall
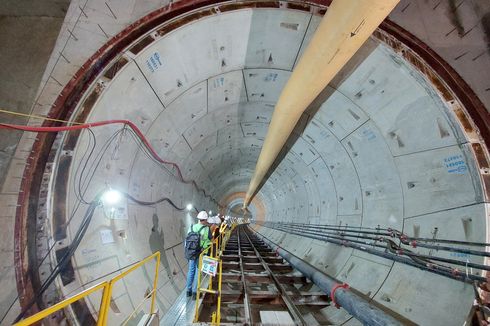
(106, 236)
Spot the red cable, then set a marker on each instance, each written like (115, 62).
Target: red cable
(103, 123)
(332, 293)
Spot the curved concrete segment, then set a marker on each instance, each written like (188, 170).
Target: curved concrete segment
(387, 143)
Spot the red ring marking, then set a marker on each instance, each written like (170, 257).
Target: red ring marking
(277, 251)
(332, 293)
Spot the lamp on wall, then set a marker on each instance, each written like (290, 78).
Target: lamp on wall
(110, 200)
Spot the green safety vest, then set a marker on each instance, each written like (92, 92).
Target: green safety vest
(205, 234)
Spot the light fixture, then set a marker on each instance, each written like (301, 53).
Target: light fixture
(189, 207)
(111, 197)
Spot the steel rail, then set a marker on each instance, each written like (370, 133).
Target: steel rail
(285, 297)
(246, 301)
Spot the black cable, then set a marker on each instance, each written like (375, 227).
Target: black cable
(406, 252)
(465, 243)
(80, 190)
(149, 203)
(92, 143)
(75, 209)
(417, 260)
(343, 227)
(405, 240)
(391, 231)
(66, 257)
(95, 164)
(433, 268)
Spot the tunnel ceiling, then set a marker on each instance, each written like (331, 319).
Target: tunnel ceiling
(380, 146)
(205, 101)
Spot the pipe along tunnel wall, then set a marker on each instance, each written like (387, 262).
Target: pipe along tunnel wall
(384, 145)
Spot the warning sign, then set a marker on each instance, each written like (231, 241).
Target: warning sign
(209, 265)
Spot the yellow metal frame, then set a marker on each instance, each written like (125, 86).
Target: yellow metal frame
(106, 295)
(215, 250)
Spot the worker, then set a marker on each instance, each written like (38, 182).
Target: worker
(198, 238)
(228, 221)
(216, 222)
(213, 222)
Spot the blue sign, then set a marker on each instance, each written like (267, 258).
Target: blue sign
(154, 62)
(369, 134)
(455, 164)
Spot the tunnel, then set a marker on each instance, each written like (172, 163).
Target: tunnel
(396, 141)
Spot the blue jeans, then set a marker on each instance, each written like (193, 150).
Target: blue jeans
(191, 284)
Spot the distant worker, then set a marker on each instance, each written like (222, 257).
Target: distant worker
(198, 238)
(228, 221)
(213, 222)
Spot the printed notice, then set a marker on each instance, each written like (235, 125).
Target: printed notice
(106, 236)
(154, 62)
(455, 164)
(209, 265)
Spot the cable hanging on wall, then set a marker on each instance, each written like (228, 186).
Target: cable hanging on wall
(85, 173)
(148, 147)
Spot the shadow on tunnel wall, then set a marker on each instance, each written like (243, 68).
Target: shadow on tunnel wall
(157, 243)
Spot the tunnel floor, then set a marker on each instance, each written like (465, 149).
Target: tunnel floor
(181, 312)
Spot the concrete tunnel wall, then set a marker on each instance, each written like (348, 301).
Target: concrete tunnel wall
(376, 152)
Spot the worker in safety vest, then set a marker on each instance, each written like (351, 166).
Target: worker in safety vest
(214, 222)
(198, 238)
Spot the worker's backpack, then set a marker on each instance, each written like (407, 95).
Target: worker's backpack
(193, 243)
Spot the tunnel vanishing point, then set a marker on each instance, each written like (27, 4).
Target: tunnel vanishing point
(381, 183)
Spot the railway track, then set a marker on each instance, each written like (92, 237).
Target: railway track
(259, 287)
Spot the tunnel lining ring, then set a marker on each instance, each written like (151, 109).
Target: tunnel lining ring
(448, 83)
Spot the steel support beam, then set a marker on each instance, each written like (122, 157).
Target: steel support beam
(345, 27)
(358, 307)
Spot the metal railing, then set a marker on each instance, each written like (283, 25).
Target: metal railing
(214, 251)
(105, 302)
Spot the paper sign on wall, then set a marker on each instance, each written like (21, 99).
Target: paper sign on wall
(106, 236)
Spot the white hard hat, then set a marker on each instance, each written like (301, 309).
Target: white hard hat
(202, 215)
(216, 220)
